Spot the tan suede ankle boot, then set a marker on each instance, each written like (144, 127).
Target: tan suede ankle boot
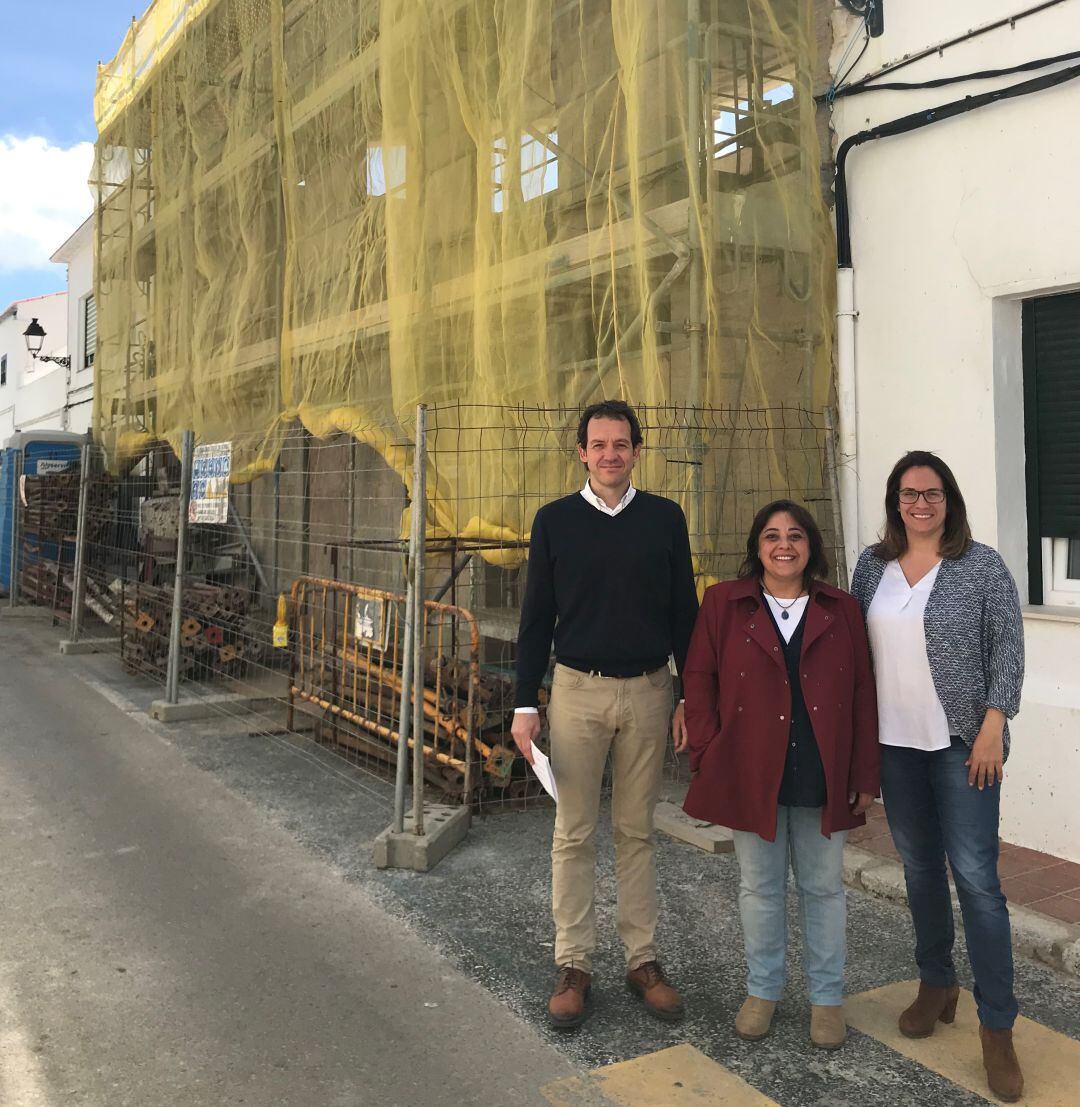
(754, 1019)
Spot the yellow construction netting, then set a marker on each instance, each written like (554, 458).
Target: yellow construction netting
(331, 210)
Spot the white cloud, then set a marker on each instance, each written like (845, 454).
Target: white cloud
(43, 198)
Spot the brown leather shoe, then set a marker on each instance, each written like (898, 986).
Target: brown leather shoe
(1002, 1068)
(650, 985)
(932, 1005)
(568, 1006)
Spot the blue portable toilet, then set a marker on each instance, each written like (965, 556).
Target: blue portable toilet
(46, 451)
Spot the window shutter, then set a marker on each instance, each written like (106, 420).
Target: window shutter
(1054, 346)
(89, 331)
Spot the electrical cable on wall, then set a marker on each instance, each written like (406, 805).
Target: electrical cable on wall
(940, 82)
(914, 122)
(835, 88)
(872, 12)
(937, 48)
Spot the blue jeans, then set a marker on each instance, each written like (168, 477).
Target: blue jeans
(935, 814)
(818, 865)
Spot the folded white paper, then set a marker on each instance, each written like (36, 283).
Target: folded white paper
(542, 767)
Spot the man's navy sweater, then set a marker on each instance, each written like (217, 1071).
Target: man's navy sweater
(616, 592)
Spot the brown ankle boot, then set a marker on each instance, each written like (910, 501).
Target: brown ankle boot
(1002, 1068)
(931, 1005)
(650, 985)
(567, 1006)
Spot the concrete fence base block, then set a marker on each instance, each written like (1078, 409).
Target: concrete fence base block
(674, 821)
(25, 611)
(205, 707)
(88, 645)
(444, 828)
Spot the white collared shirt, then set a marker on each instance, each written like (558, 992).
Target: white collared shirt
(909, 710)
(594, 500)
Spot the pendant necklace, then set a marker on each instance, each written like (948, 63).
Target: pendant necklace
(783, 607)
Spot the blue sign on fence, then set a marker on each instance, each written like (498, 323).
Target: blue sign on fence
(210, 471)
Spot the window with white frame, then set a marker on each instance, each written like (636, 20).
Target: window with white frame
(1052, 433)
(533, 165)
(88, 331)
(384, 170)
(3, 369)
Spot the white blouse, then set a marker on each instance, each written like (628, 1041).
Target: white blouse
(793, 610)
(909, 711)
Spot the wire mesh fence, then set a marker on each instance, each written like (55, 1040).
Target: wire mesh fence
(293, 599)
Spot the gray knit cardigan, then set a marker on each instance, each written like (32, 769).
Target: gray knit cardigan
(974, 635)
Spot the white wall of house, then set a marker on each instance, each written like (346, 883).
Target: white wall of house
(35, 393)
(41, 395)
(953, 226)
(78, 255)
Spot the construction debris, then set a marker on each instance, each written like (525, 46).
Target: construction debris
(220, 636)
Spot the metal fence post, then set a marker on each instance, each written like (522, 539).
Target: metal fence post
(172, 679)
(16, 518)
(419, 612)
(79, 583)
(416, 530)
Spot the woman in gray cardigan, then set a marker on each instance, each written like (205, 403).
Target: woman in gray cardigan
(948, 645)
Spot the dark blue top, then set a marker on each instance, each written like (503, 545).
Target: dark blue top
(803, 782)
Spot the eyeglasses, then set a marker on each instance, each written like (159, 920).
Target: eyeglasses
(911, 495)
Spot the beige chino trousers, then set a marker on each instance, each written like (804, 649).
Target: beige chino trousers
(588, 717)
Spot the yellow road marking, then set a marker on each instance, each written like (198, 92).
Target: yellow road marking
(1050, 1061)
(681, 1076)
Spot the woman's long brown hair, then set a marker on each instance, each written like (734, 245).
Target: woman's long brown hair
(957, 537)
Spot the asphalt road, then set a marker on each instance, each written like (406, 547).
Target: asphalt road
(190, 916)
(163, 942)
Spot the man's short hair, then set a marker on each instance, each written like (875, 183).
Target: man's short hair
(608, 409)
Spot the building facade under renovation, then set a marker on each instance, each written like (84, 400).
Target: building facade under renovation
(315, 214)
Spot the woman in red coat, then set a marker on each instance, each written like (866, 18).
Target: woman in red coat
(781, 715)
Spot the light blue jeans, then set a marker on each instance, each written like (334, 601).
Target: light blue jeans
(818, 865)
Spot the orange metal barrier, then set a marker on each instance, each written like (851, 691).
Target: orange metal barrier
(346, 645)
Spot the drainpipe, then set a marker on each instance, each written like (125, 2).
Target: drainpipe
(847, 402)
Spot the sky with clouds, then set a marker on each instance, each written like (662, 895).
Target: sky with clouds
(49, 56)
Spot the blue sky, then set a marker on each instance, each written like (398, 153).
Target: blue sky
(49, 57)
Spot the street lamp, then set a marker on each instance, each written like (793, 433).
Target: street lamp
(35, 336)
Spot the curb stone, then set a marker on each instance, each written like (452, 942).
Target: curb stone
(1054, 943)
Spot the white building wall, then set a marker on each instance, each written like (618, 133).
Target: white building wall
(78, 254)
(34, 396)
(952, 227)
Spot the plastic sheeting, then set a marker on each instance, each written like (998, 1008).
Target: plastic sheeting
(331, 210)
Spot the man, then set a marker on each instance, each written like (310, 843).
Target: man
(610, 577)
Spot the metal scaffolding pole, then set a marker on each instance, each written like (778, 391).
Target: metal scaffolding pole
(419, 507)
(695, 324)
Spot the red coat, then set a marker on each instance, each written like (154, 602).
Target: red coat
(738, 707)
